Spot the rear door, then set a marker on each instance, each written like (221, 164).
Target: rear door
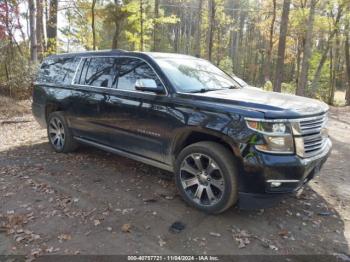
(94, 78)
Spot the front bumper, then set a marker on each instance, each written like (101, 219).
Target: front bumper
(266, 176)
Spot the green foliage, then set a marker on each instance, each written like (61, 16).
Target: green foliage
(288, 88)
(268, 86)
(241, 37)
(16, 75)
(323, 84)
(226, 65)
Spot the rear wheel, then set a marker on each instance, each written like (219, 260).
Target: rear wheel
(206, 176)
(60, 136)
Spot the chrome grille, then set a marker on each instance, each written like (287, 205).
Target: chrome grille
(313, 125)
(310, 135)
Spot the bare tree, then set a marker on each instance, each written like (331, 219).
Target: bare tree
(197, 37)
(334, 68)
(156, 25)
(211, 11)
(268, 63)
(120, 17)
(141, 25)
(40, 28)
(307, 51)
(51, 27)
(33, 42)
(93, 27)
(282, 46)
(347, 61)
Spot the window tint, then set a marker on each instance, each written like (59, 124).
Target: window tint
(132, 69)
(99, 72)
(57, 70)
(69, 68)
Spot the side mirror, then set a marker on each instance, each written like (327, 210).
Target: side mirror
(148, 85)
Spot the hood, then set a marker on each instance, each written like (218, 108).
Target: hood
(272, 104)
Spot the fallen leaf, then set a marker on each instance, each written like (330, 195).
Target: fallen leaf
(64, 237)
(126, 228)
(283, 233)
(215, 234)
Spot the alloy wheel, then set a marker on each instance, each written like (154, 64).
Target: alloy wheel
(56, 133)
(202, 179)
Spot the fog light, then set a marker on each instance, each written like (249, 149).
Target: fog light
(276, 184)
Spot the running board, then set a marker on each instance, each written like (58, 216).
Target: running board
(126, 154)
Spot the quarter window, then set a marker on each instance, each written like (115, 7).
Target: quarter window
(57, 70)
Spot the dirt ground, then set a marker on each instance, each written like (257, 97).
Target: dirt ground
(92, 202)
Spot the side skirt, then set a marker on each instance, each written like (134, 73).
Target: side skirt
(126, 154)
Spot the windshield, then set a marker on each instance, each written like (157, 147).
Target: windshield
(195, 75)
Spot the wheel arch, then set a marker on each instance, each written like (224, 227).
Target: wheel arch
(188, 137)
(50, 108)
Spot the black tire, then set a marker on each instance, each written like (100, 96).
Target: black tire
(226, 166)
(68, 143)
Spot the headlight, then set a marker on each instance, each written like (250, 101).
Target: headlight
(277, 136)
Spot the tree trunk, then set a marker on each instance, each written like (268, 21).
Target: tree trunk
(40, 28)
(115, 36)
(141, 25)
(119, 17)
(282, 47)
(334, 68)
(235, 35)
(239, 55)
(299, 51)
(307, 51)
(33, 42)
(211, 12)
(347, 61)
(268, 64)
(197, 51)
(46, 11)
(156, 26)
(51, 27)
(93, 27)
(189, 33)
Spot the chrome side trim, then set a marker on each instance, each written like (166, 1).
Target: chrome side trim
(286, 119)
(282, 181)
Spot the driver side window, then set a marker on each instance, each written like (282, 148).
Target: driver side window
(132, 69)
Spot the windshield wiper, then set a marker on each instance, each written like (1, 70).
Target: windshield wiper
(233, 87)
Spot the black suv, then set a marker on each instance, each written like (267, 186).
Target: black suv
(225, 141)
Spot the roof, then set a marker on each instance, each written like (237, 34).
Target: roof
(168, 55)
(154, 55)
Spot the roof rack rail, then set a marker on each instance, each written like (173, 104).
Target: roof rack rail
(118, 50)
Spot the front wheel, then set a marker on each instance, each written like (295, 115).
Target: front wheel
(206, 176)
(60, 136)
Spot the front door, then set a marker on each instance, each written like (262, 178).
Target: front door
(137, 121)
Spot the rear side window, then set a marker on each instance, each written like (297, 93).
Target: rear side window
(98, 72)
(57, 70)
(69, 67)
(132, 69)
